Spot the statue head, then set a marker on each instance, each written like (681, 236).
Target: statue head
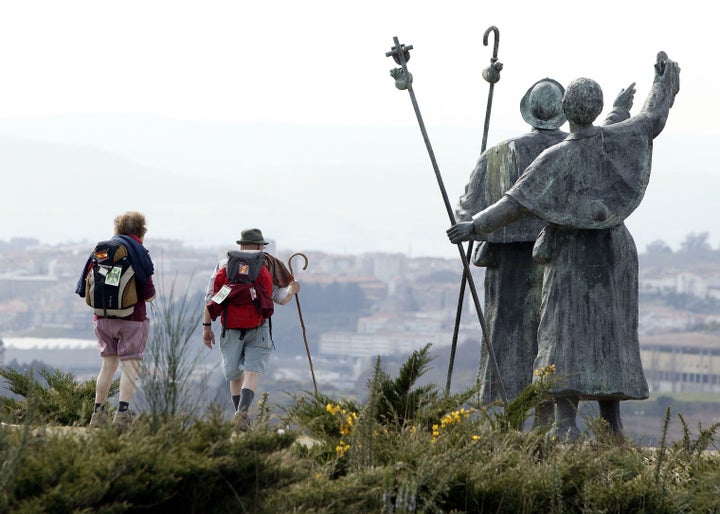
(541, 107)
(583, 101)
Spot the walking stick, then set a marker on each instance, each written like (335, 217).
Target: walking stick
(403, 80)
(302, 323)
(491, 74)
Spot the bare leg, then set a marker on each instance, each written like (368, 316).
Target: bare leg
(236, 386)
(105, 377)
(243, 391)
(128, 379)
(250, 380)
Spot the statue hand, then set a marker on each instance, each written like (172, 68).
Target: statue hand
(626, 97)
(669, 71)
(462, 231)
(673, 69)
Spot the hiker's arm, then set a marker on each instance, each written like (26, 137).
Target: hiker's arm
(210, 288)
(148, 290)
(283, 295)
(208, 336)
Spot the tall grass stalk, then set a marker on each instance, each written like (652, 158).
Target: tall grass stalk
(171, 378)
(361, 453)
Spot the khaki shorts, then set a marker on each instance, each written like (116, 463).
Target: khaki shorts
(251, 353)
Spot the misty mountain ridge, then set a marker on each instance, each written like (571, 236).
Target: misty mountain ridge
(336, 189)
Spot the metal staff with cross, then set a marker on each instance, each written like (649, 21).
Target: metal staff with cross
(403, 81)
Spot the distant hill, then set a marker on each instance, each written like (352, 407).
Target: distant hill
(338, 188)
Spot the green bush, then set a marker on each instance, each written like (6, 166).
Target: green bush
(183, 467)
(53, 395)
(406, 449)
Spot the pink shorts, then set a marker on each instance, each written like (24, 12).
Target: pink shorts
(122, 337)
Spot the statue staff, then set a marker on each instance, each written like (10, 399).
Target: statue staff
(403, 80)
(491, 74)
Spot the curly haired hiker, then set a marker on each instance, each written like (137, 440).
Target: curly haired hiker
(121, 333)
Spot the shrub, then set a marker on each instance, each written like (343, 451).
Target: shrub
(440, 455)
(196, 467)
(57, 396)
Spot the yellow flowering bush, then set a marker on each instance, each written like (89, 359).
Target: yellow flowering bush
(545, 372)
(451, 418)
(342, 448)
(346, 420)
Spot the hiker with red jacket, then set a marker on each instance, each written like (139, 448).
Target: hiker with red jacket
(121, 339)
(241, 293)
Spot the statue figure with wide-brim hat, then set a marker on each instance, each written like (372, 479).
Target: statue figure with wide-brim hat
(513, 278)
(584, 188)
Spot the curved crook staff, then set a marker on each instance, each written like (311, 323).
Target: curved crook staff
(491, 74)
(302, 323)
(403, 80)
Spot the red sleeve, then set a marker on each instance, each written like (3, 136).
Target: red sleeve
(148, 288)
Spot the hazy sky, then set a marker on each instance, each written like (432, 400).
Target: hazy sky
(323, 63)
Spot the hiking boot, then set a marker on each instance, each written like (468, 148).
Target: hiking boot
(100, 418)
(242, 423)
(123, 420)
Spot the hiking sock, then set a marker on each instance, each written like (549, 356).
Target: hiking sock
(99, 406)
(236, 400)
(246, 398)
(123, 406)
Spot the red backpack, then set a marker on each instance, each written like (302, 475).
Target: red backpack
(242, 292)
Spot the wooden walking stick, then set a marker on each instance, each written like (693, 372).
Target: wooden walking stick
(403, 80)
(491, 74)
(302, 323)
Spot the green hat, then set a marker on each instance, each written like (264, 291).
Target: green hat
(541, 106)
(252, 236)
